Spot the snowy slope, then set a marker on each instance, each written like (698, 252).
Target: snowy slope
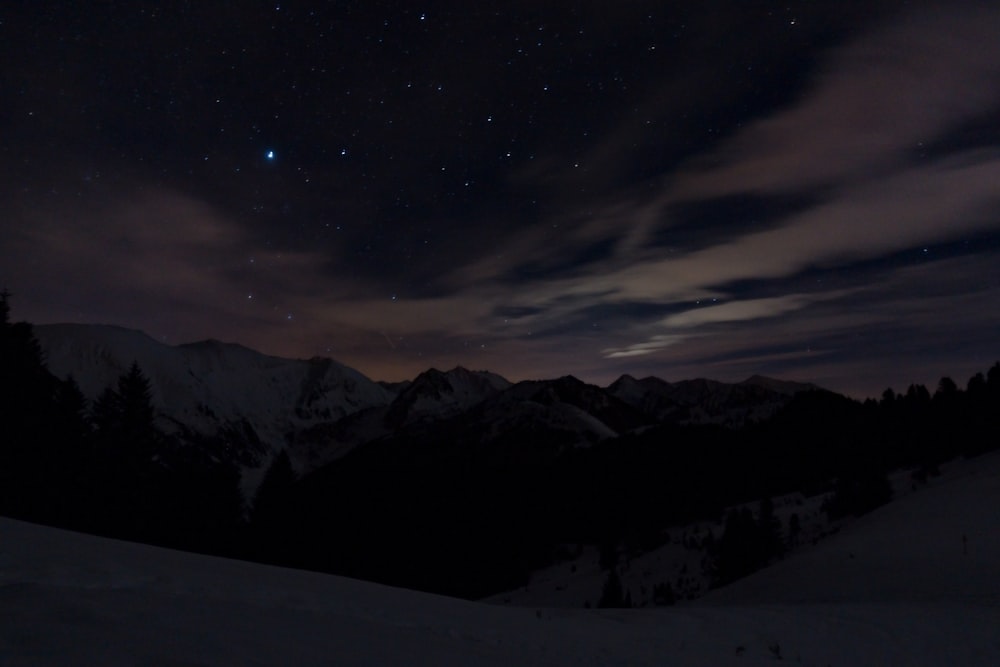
(896, 553)
(938, 544)
(702, 401)
(71, 599)
(207, 385)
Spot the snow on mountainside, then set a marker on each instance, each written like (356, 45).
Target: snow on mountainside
(651, 395)
(897, 588)
(211, 385)
(787, 387)
(570, 394)
(702, 401)
(550, 414)
(435, 394)
(430, 400)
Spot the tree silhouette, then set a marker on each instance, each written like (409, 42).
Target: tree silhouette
(4, 308)
(128, 480)
(976, 385)
(124, 418)
(946, 387)
(137, 413)
(29, 421)
(612, 596)
(740, 550)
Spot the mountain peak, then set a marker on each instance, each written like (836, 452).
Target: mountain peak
(786, 387)
(435, 394)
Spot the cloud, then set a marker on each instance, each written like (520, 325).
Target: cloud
(106, 262)
(892, 326)
(654, 344)
(736, 311)
(686, 324)
(879, 98)
(853, 137)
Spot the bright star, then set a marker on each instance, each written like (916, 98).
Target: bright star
(269, 155)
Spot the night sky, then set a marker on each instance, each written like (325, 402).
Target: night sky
(809, 190)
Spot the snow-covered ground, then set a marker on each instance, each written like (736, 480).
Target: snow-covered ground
(940, 543)
(897, 587)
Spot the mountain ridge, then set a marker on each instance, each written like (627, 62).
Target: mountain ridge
(320, 409)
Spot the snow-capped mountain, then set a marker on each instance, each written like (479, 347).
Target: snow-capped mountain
(702, 401)
(319, 410)
(207, 387)
(430, 399)
(477, 409)
(572, 404)
(787, 387)
(650, 395)
(435, 394)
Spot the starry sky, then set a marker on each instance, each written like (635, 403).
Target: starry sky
(809, 190)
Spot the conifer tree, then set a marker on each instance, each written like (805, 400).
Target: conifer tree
(612, 596)
(28, 420)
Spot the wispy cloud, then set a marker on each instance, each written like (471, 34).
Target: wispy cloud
(855, 136)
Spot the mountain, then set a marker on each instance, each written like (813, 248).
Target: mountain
(250, 405)
(786, 387)
(476, 410)
(702, 401)
(565, 404)
(435, 395)
(212, 389)
(652, 396)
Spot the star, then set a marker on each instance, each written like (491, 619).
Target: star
(269, 155)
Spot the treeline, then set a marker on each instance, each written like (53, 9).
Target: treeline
(435, 508)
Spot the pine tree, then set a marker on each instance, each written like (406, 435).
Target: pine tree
(124, 419)
(106, 412)
(29, 423)
(612, 596)
(4, 308)
(129, 485)
(741, 549)
(136, 404)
